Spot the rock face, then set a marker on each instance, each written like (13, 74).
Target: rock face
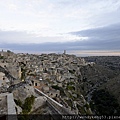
(103, 82)
(18, 109)
(3, 89)
(39, 102)
(21, 91)
(7, 74)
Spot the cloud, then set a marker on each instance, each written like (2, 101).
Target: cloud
(107, 37)
(24, 37)
(38, 21)
(106, 31)
(12, 7)
(101, 38)
(60, 16)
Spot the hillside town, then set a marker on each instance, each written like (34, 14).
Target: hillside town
(56, 75)
(58, 84)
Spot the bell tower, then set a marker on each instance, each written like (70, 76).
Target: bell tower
(2, 53)
(64, 52)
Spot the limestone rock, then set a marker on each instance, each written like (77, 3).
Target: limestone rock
(39, 101)
(22, 90)
(18, 109)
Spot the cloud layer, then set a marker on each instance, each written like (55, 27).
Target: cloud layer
(52, 19)
(102, 38)
(55, 25)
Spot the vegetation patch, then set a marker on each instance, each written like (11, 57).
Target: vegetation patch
(71, 83)
(1, 57)
(56, 87)
(104, 103)
(27, 106)
(81, 110)
(18, 102)
(70, 87)
(69, 102)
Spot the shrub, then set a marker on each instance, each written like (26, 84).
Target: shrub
(18, 102)
(69, 87)
(1, 57)
(62, 93)
(27, 106)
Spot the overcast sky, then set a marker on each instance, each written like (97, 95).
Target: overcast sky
(67, 24)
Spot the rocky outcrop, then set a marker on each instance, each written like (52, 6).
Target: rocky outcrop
(7, 74)
(39, 102)
(18, 109)
(21, 91)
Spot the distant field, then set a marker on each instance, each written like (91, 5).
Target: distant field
(96, 53)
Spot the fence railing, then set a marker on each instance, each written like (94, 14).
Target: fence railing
(57, 106)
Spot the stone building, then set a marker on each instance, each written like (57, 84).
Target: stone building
(36, 82)
(54, 93)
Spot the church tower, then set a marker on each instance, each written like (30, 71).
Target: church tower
(2, 53)
(64, 51)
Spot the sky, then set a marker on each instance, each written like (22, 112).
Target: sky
(55, 25)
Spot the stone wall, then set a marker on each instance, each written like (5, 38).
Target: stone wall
(11, 107)
(11, 104)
